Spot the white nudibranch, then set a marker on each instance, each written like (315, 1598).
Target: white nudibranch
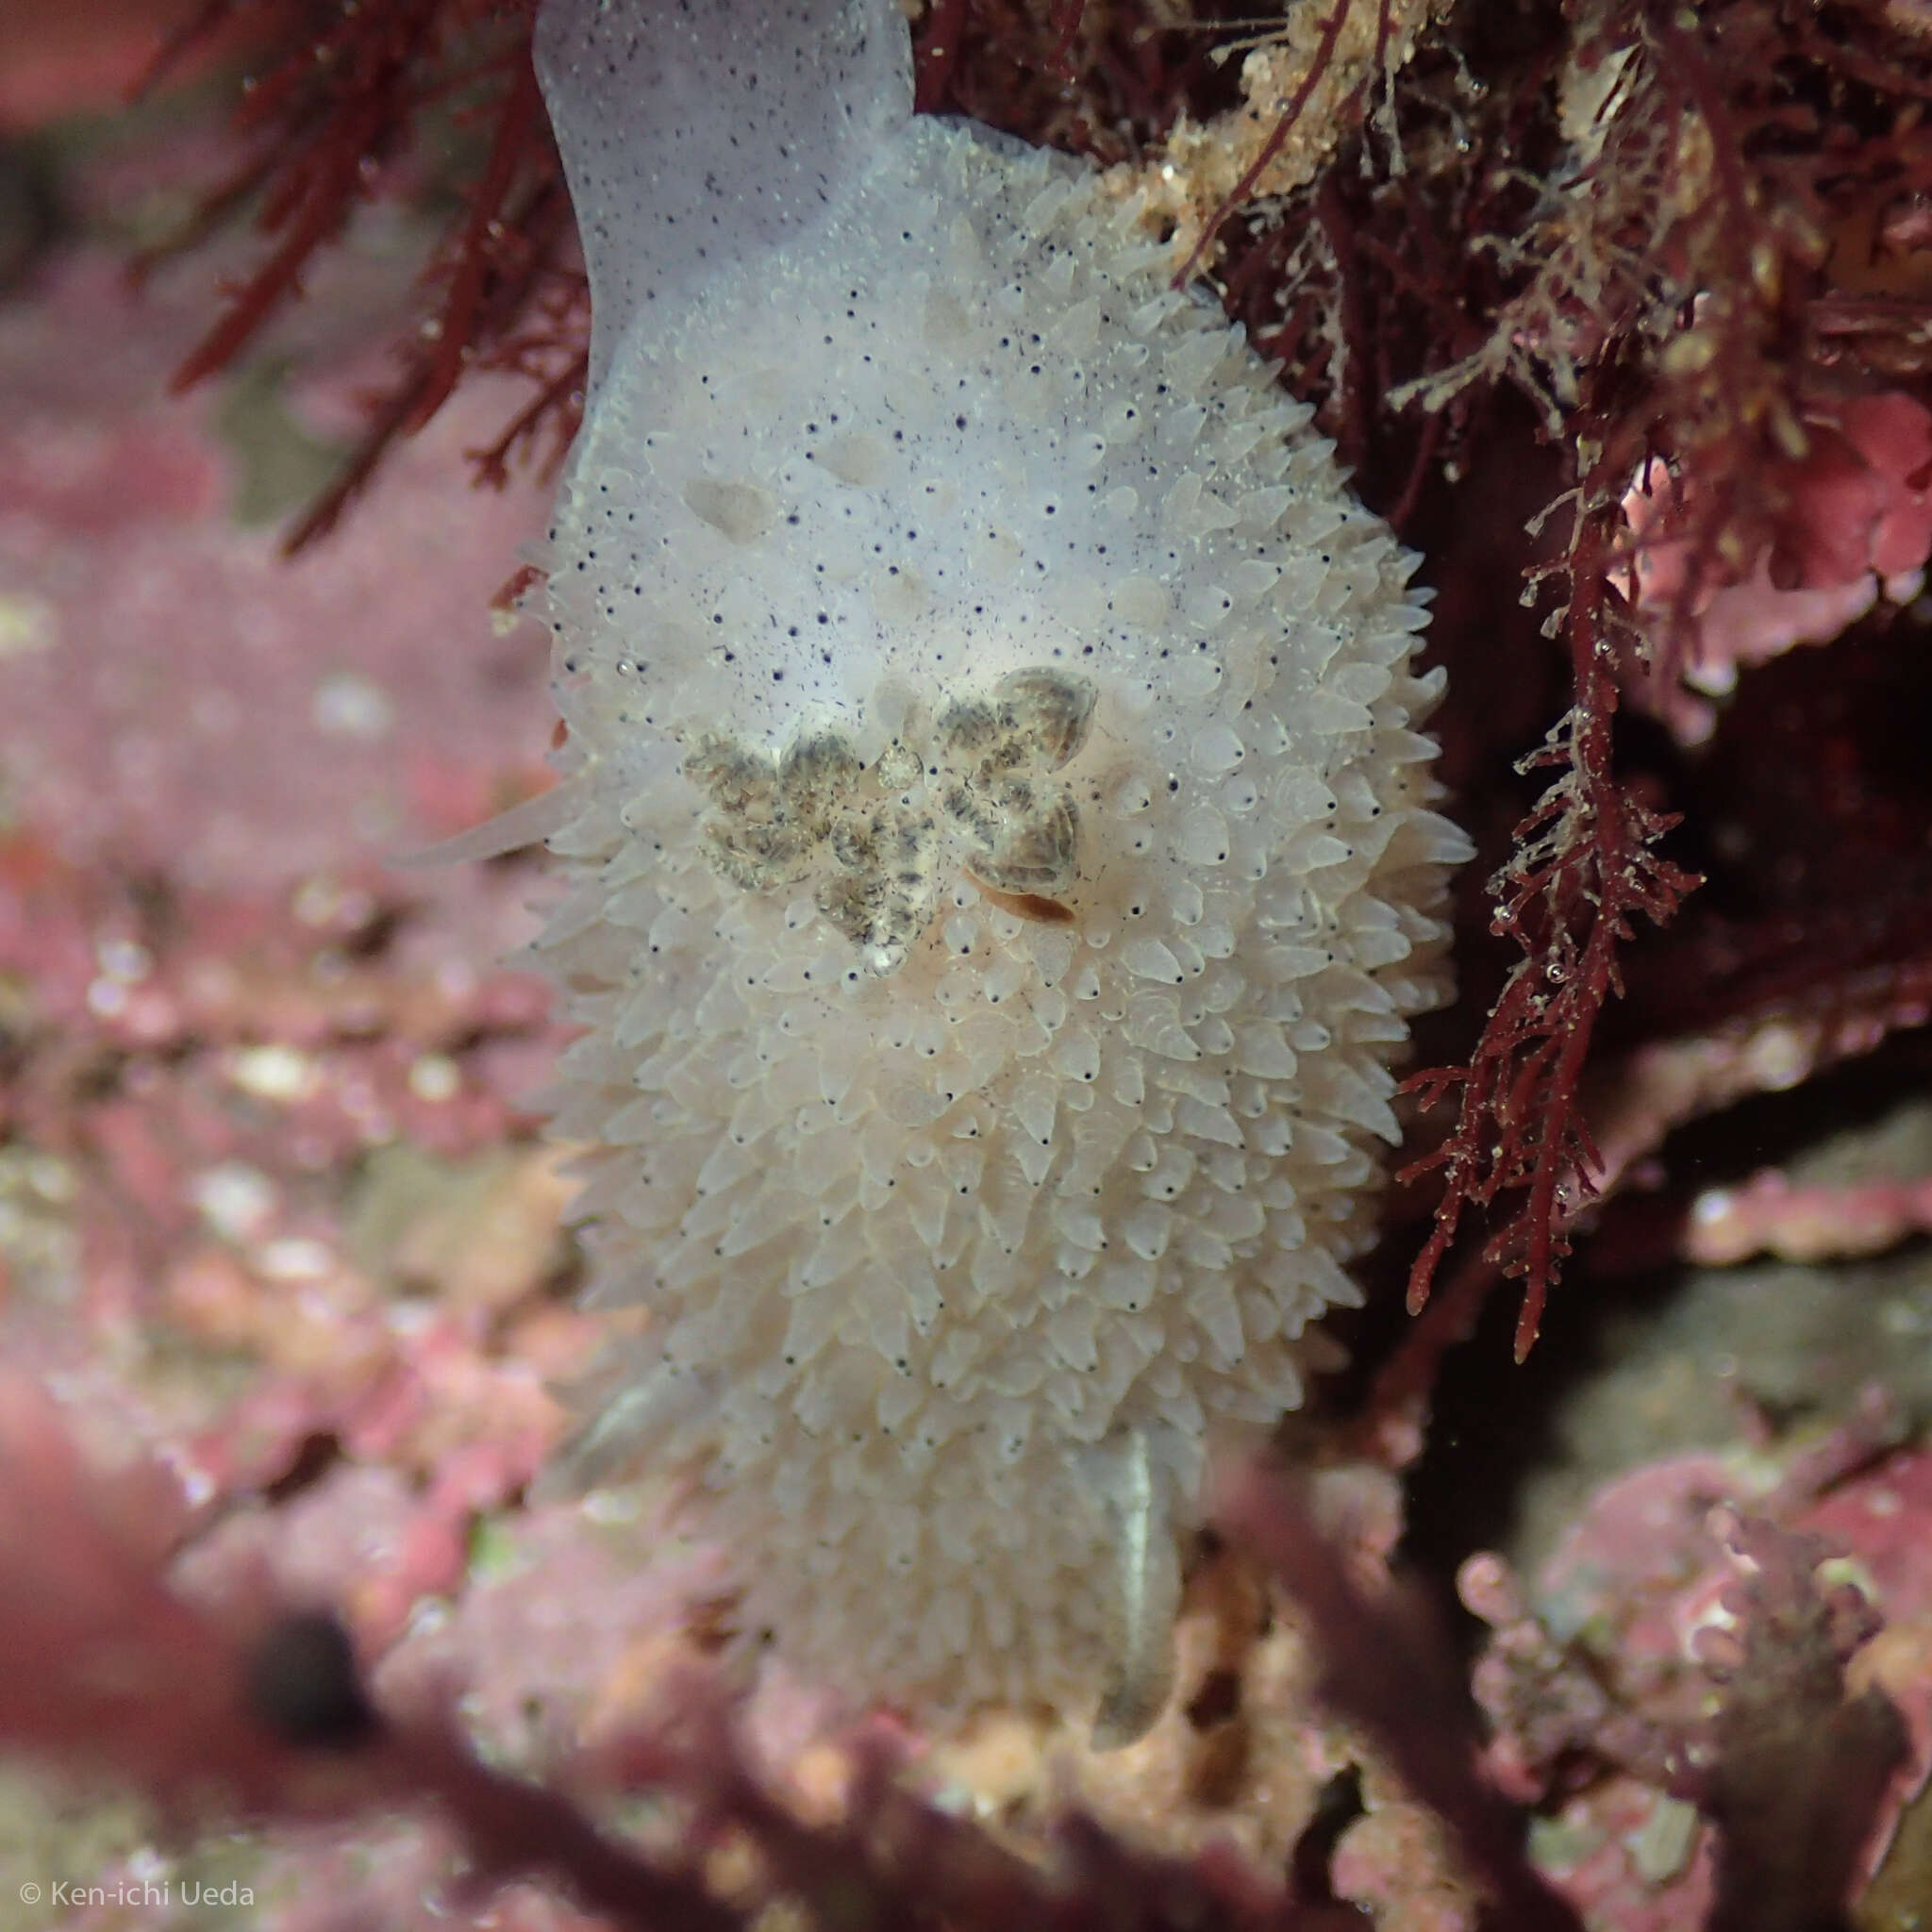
(1001, 854)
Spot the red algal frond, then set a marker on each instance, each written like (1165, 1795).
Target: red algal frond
(323, 128)
(1585, 864)
(1320, 62)
(1095, 80)
(1066, 24)
(1758, 426)
(552, 351)
(1666, 301)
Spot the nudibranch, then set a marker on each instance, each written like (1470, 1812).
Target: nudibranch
(1001, 856)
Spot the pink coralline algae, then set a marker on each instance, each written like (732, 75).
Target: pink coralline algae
(1719, 1698)
(199, 705)
(1856, 525)
(227, 1697)
(1769, 1215)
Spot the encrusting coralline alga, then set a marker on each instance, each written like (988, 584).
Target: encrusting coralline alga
(1001, 852)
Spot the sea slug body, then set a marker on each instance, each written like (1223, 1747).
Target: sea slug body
(1001, 856)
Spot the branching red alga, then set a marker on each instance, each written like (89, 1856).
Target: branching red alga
(1586, 864)
(326, 126)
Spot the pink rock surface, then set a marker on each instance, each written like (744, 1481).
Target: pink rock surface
(183, 698)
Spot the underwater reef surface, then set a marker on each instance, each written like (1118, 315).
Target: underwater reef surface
(282, 1257)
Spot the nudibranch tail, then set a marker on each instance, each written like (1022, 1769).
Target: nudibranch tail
(1137, 1490)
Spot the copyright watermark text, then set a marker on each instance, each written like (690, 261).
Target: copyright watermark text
(136, 1892)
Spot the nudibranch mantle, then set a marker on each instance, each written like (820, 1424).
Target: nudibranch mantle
(1001, 856)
